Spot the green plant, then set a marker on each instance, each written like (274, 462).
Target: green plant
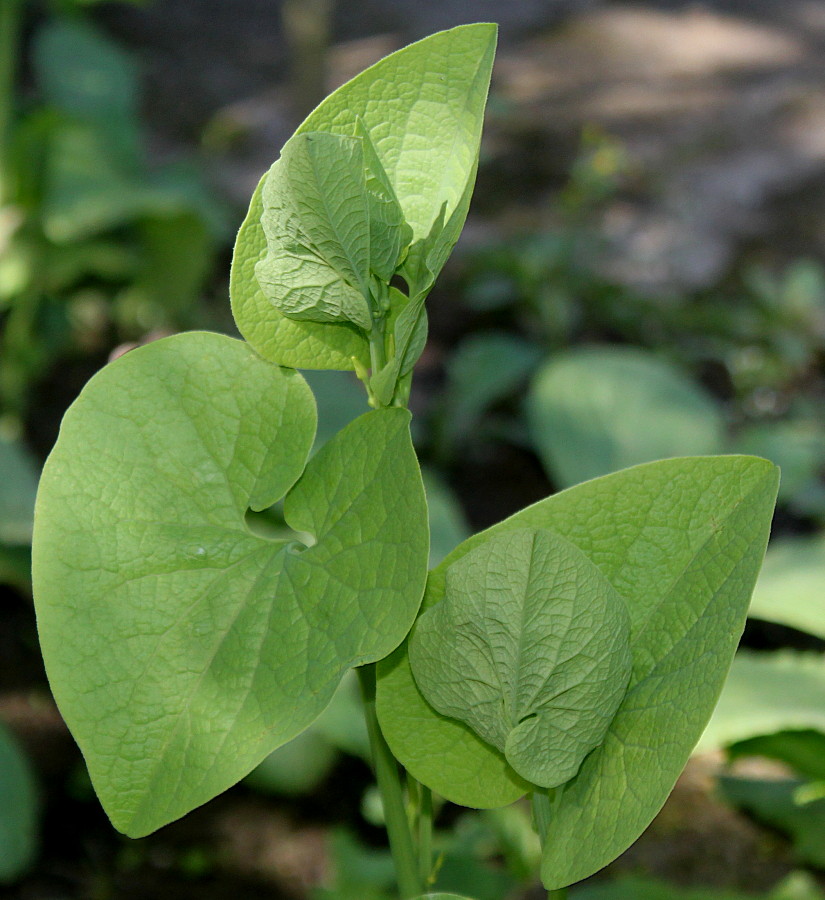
(573, 652)
(96, 245)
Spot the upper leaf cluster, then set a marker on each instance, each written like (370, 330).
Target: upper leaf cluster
(376, 183)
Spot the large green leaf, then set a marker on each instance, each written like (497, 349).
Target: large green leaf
(529, 647)
(421, 110)
(791, 585)
(599, 409)
(766, 693)
(182, 647)
(18, 809)
(681, 540)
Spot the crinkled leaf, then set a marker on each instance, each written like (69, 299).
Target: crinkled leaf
(596, 410)
(791, 585)
(766, 693)
(438, 751)
(422, 108)
(303, 344)
(316, 222)
(681, 541)
(18, 809)
(183, 648)
(529, 647)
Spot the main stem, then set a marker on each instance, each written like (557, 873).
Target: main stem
(389, 783)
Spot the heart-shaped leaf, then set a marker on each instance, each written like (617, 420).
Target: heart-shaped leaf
(529, 647)
(183, 648)
(681, 540)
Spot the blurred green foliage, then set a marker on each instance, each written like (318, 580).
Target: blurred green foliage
(796, 887)
(96, 244)
(19, 809)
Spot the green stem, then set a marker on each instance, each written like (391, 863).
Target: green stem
(10, 21)
(542, 813)
(389, 784)
(425, 834)
(378, 350)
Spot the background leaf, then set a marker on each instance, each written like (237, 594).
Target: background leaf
(766, 693)
(596, 410)
(791, 585)
(484, 369)
(798, 886)
(774, 803)
(18, 487)
(18, 809)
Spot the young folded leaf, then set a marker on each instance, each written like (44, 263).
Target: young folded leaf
(182, 648)
(332, 225)
(425, 137)
(317, 226)
(390, 235)
(529, 647)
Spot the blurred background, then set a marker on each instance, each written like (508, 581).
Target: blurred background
(642, 275)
